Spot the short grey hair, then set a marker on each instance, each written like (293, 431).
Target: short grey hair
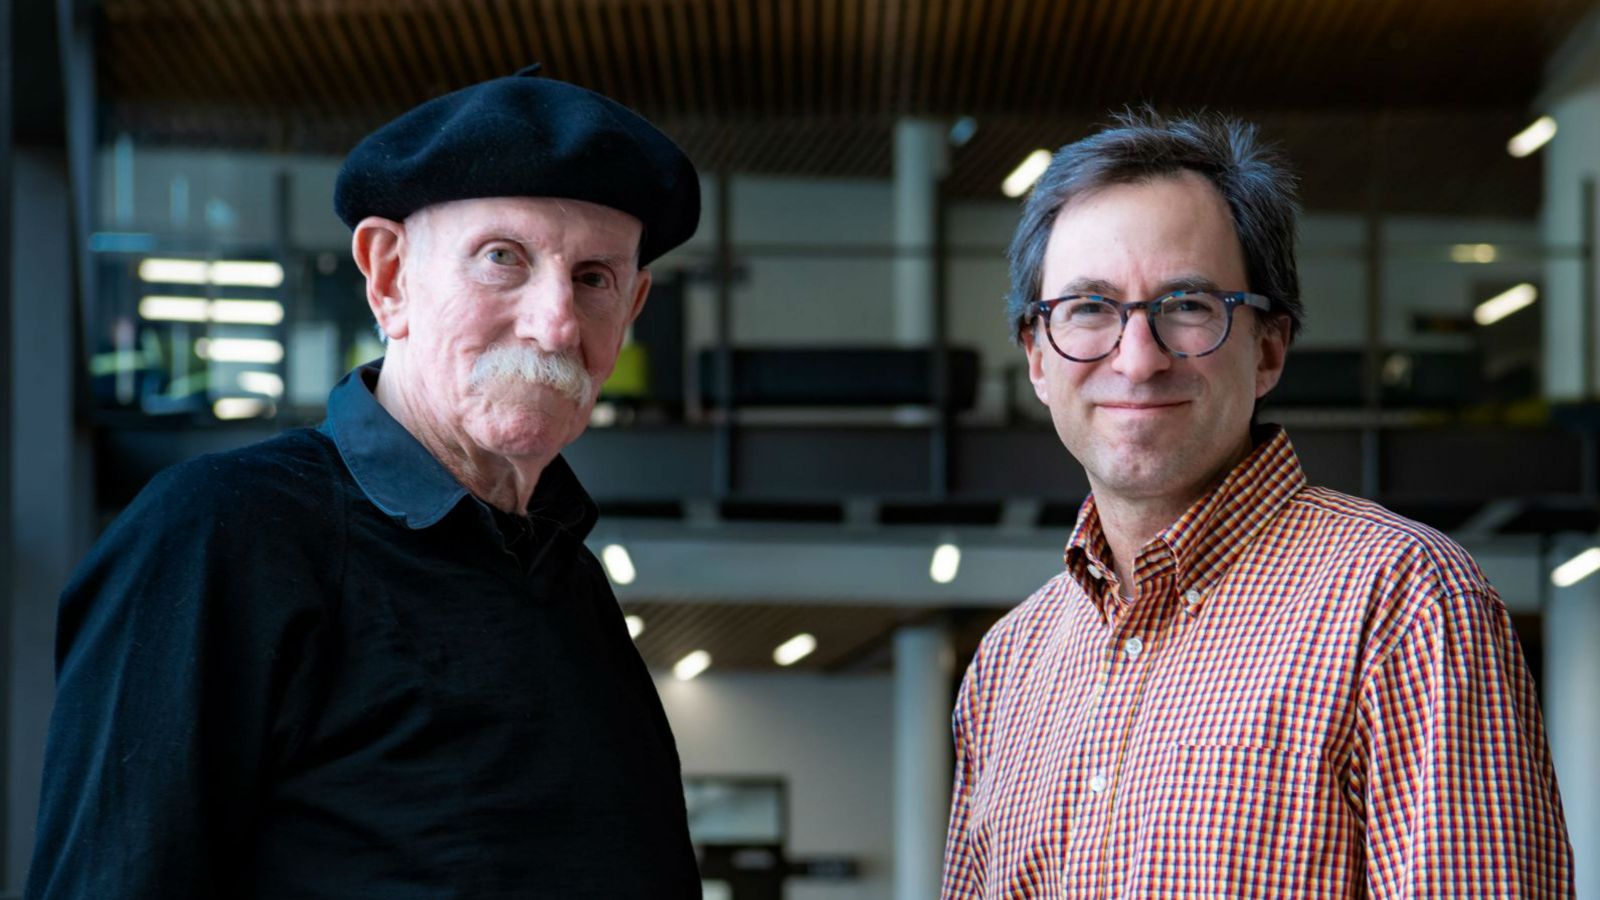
(1143, 145)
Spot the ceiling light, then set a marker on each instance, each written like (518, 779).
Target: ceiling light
(946, 563)
(244, 350)
(173, 271)
(239, 408)
(1473, 253)
(256, 382)
(635, 626)
(1530, 139)
(691, 665)
(619, 565)
(172, 309)
(248, 273)
(794, 649)
(1026, 173)
(1577, 568)
(247, 312)
(1505, 303)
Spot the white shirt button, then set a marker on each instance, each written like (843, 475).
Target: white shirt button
(1098, 783)
(1095, 573)
(1191, 596)
(1133, 648)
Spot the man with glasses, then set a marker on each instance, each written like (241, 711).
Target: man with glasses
(1241, 685)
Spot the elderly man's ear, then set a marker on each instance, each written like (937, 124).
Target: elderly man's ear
(378, 246)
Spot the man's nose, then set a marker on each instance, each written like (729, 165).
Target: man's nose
(1139, 356)
(547, 314)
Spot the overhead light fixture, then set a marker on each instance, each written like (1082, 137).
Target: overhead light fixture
(635, 626)
(619, 565)
(946, 563)
(1530, 139)
(794, 649)
(1474, 253)
(1505, 303)
(246, 273)
(241, 350)
(258, 382)
(1577, 568)
(154, 308)
(691, 665)
(240, 408)
(174, 271)
(238, 272)
(164, 308)
(246, 312)
(1026, 173)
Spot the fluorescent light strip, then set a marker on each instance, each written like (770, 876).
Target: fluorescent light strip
(247, 312)
(240, 272)
(1474, 253)
(242, 350)
(619, 565)
(239, 407)
(1505, 303)
(1577, 568)
(691, 665)
(247, 273)
(946, 563)
(794, 649)
(156, 308)
(635, 626)
(256, 382)
(1026, 173)
(174, 271)
(1530, 139)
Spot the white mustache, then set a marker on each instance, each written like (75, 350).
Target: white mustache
(562, 372)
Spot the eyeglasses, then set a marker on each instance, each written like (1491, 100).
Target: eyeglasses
(1087, 327)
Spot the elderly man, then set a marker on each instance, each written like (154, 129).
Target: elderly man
(1241, 685)
(375, 659)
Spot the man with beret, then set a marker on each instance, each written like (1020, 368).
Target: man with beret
(374, 659)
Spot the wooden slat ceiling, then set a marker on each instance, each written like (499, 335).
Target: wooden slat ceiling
(742, 636)
(811, 87)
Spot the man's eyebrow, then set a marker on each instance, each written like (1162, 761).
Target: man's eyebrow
(1088, 286)
(1186, 283)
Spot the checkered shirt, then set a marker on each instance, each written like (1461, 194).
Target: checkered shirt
(1310, 697)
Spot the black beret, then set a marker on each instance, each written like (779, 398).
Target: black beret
(524, 136)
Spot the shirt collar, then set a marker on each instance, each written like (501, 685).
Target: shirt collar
(1214, 530)
(404, 480)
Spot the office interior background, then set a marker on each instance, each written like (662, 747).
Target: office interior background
(821, 471)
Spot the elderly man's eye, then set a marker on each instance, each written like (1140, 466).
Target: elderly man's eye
(500, 256)
(595, 279)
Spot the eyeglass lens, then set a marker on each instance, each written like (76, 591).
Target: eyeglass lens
(1085, 327)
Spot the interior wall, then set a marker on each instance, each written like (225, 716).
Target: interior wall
(829, 737)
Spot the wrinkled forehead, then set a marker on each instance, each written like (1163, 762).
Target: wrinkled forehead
(575, 224)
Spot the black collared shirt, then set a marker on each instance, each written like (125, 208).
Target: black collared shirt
(313, 668)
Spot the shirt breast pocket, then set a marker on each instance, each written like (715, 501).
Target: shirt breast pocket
(1241, 820)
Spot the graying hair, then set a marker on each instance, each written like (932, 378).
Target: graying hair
(1142, 145)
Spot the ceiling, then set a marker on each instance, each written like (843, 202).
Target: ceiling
(1401, 103)
(741, 636)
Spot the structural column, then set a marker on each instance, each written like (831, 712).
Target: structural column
(1572, 717)
(923, 664)
(919, 161)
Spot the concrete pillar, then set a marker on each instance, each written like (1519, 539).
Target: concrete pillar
(1572, 717)
(923, 663)
(919, 163)
(1571, 96)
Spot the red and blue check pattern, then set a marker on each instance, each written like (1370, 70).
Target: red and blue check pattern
(1310, 697)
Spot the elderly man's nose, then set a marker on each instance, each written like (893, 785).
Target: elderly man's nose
(547, 314)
